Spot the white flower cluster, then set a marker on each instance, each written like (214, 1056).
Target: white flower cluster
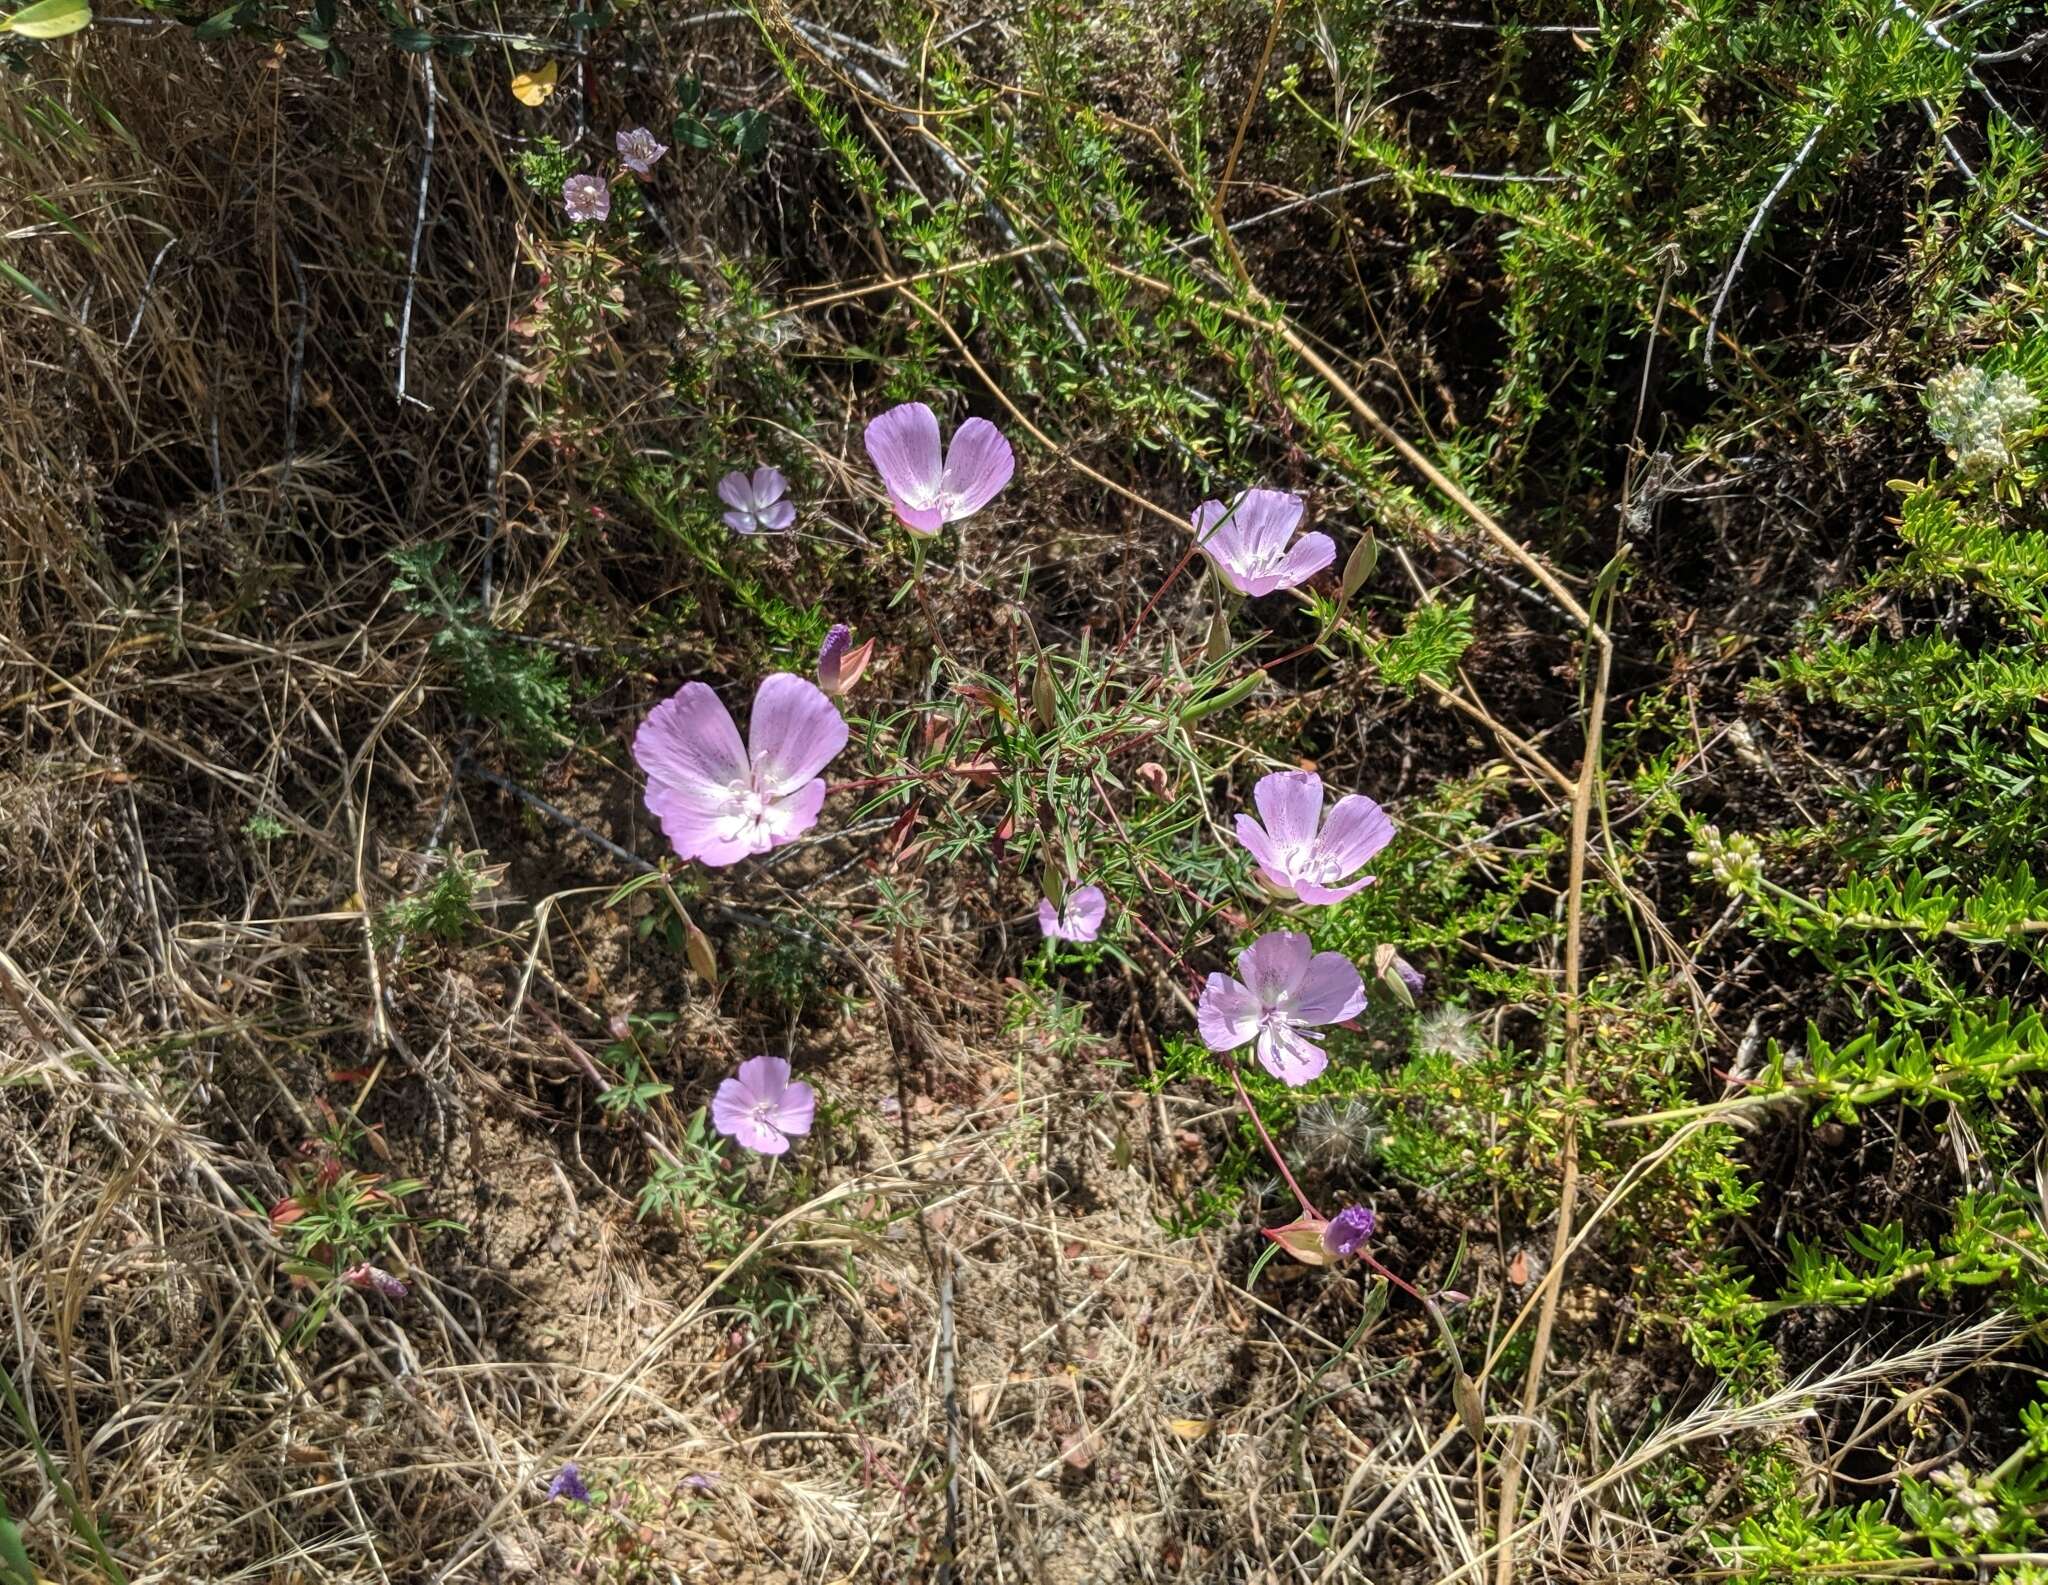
(1980, 417)
(1735, 861)
(1977, 1503)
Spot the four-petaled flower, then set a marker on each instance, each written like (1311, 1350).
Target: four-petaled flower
(639, 150)
(761, 1108)
(1346, 1232)
(717, 800)
(1081, 918)
(757, 503)
(1247, 542)
(567, 1486)
(1295, 857)
(587, 197)
(1284, 990)
(926, 491)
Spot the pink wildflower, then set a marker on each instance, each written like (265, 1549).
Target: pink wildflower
(1248, 542)
(718, 801)
(1284, 991)
(639, 150)
(761, 1108)
(587, 197)
(1295, 857)
(928, 492)
(757, 503)
(1081, 918)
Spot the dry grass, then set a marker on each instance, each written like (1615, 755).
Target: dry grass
(204, 457)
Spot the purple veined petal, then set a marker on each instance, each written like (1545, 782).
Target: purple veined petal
(791, 815)
(1253, 836)
(1290, 807)
(904, 446)
(918, 519)
(1329, 992)
(1289, 1055)
(736, 490)
(768, 486)
(1048, 919)
(1227, 1015)
(1320, 896)
(689, 746)
(693, 832)
(978, 464)
(838, 640)
(1356, 829)
(764, 1078)
(1205, 519)
(759, 1135)
(798, 1110)
(1310, 555)
(794, 733)
(1267, 517)
(1274, 966)
(739, 522)
(777, 516)
(1346, 1232)
(1085, 911)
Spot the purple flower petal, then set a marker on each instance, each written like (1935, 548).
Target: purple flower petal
(1081, 918)
(1329, 992)
(1356, 829)
(737, 491)
(1273, 966)
(978, 464)
(1289, 1055)
(1290, 803)
(568, 1486)
(1227, 1015)
(689, 747)
(1310, 555)
(904, 446)
(777, 516)
(1347, 1231)
(769, 486)
(798, 1109)
(795, 732)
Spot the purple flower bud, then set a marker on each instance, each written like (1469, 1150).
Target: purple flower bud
(568, 1486)
(374, 1279)
(1348, 1230)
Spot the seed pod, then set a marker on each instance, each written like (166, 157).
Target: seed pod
(1044, 697)
(702, 958)
(1365, 556)
(1218, 643)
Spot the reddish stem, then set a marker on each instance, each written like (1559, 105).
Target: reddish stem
(1272, 1150)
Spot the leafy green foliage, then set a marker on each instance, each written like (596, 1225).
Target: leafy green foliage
(517, 687)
